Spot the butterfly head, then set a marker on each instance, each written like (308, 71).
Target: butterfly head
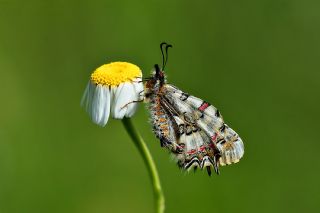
(155, 82)
(158, 74)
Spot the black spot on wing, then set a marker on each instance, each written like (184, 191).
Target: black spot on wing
(192, 161)
(184, 96)
(188, 129)
(218, 113)
(222, 128)
(221, 141)
(181, 129)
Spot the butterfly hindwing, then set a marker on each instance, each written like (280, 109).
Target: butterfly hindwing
(196, 145)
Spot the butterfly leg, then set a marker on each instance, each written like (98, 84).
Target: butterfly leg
(137, 101)
(131, 102)
(140, 93)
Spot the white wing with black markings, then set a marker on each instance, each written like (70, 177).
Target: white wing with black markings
(204, 137)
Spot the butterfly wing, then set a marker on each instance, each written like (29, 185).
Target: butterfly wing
(191, 146)
(211, 141)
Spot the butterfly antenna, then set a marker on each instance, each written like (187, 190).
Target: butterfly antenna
(162, 53)
(167, 47)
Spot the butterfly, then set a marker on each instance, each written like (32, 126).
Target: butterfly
(191, 128)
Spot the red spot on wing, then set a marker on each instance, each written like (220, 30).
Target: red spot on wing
(202, 148)
(192, 151)
(203, 106)
(212, 145)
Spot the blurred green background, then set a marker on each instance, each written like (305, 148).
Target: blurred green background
(257, 61)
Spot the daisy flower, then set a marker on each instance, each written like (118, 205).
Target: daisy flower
(113, 89)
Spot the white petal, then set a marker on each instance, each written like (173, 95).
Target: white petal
(115, 96)
(92, 89)
(100, 105)
(124, 96)
(84, 99)
(87, 97)
(138, 92)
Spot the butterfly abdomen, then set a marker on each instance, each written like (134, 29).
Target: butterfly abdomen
(161, 123)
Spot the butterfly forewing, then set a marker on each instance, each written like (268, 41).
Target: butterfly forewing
(205, 118)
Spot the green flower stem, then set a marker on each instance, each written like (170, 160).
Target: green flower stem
(147, 158)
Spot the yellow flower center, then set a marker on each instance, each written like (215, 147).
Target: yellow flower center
(115, 73)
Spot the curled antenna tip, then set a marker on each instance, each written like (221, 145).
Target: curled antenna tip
(164, 53)
(162, 43)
